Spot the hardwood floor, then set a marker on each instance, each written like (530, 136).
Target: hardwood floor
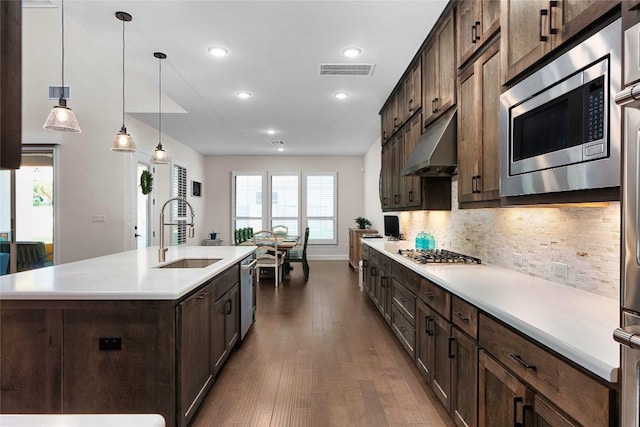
(319, 354)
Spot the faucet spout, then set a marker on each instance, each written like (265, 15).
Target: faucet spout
(162, 250)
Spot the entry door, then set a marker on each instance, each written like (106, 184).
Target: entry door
(142, 222)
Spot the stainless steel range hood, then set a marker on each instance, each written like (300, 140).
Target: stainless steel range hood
(436, 151)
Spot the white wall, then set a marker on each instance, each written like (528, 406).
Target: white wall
(372, 166)
(92, 179)
(586, 240)
(217, 188)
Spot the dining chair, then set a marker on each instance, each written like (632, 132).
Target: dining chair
(280, 230)
(295, 255)
(267, 254)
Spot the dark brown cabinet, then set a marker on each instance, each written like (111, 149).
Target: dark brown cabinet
(438, 75)
(532, 29)
(412, 90)
(226, 327)
(411, 186)
(477, 21)
(10, 84)
(195, 371)
(478, 130)
(464, 379)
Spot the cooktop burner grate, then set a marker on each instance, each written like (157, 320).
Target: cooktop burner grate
(437, 256)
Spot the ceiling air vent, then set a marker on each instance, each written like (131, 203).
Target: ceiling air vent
(55, 91)
(346, 69)
(277, 142)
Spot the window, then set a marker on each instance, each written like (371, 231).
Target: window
(285, 206)
(287, 200)
(321, 208)
(247, 201)
(179, 209)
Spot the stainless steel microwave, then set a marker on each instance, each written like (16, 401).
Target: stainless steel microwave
(560, 126)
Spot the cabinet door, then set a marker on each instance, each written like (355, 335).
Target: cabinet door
(411, 185)
(384, 299)
(464, 380)
(414, 99)
(429, 83)
(11, 85)
(568, 17)
(424, 339)
(31, 368)
(442, 355)
(232, 319)
(524, 35)
(387, 176)
(218, 337)
(467, 28)
(396, 147)
(478, 129)
(546, 415)
(446, 65)
(195, 372)
(469, 144)
(502, 397)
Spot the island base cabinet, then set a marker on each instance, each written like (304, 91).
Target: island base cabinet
(195, 374)
(112, 356)
(226, 327)
(31, 354)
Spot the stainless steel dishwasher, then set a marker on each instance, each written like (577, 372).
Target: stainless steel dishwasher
(247, 294)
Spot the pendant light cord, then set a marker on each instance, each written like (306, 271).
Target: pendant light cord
(62, 65)
(159, 100)
(123, 82)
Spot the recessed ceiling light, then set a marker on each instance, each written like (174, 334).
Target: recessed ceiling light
(218, 51)
(341, 95)
(280, 148)
(244, 95)
(352, 52)
(271, 131)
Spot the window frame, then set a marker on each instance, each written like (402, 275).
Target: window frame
(280, 219)
(334, 240)
(234, 217)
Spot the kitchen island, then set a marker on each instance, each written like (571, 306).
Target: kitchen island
(118, 334)
(480, 331)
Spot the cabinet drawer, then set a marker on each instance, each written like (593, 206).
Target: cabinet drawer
(225, 280)
(465, 316)
(404, 301)
(405, 332)
(409, 278)
(373, 256)
(583, 398)
(436, 297)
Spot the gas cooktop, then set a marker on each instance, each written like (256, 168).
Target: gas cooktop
(437, 256)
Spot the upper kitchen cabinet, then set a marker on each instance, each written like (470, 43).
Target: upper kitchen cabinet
(532, 29)
(438, 70)
(412, 85)
(478, 130)
(10, 84)
(477, 21)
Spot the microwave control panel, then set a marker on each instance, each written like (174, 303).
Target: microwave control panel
(594, 117)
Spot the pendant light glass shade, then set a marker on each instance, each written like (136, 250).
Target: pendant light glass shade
(160, 156)
(123, 141)
(61, 118)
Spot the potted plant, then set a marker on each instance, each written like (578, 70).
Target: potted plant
(362, 222)
(213, 234)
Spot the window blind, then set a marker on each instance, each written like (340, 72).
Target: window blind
(285, 205)
(321, 198)
(247, 206)
(179, 209)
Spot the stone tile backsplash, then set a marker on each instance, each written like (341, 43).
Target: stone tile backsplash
(585, 241)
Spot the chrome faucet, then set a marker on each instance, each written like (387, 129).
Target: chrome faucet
(162, 250)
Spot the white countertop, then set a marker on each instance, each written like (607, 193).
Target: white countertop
(82, 420)
(574, 323)
(126, 275)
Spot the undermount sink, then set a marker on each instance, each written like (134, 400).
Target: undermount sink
(191, 263)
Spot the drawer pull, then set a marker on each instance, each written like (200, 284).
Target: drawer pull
(461, 316)
(430, 295)
(451, 341)
(518, 359)
(202, 295)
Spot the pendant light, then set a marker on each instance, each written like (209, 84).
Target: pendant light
(61, 118)
(123, 141)
(160, 156)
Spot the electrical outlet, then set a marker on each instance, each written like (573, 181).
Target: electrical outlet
(99, 218)
(560, 269)
(517, 258)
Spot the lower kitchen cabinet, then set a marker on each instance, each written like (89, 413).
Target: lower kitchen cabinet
(442, 355)
(195, 371)
(403, 316)
(424, 340)
(226, 327)
(464, 379)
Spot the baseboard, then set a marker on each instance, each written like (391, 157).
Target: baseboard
(329, 257)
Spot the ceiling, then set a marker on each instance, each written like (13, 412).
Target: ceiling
(275, 49)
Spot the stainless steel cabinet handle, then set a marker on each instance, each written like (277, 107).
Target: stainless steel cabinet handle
(473, 34)
(249, 266)
(543, 13)
(519, 359)
(552, 4)
(202, 295)
(477, 26)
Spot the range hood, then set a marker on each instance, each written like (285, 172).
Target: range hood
(436, 151)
